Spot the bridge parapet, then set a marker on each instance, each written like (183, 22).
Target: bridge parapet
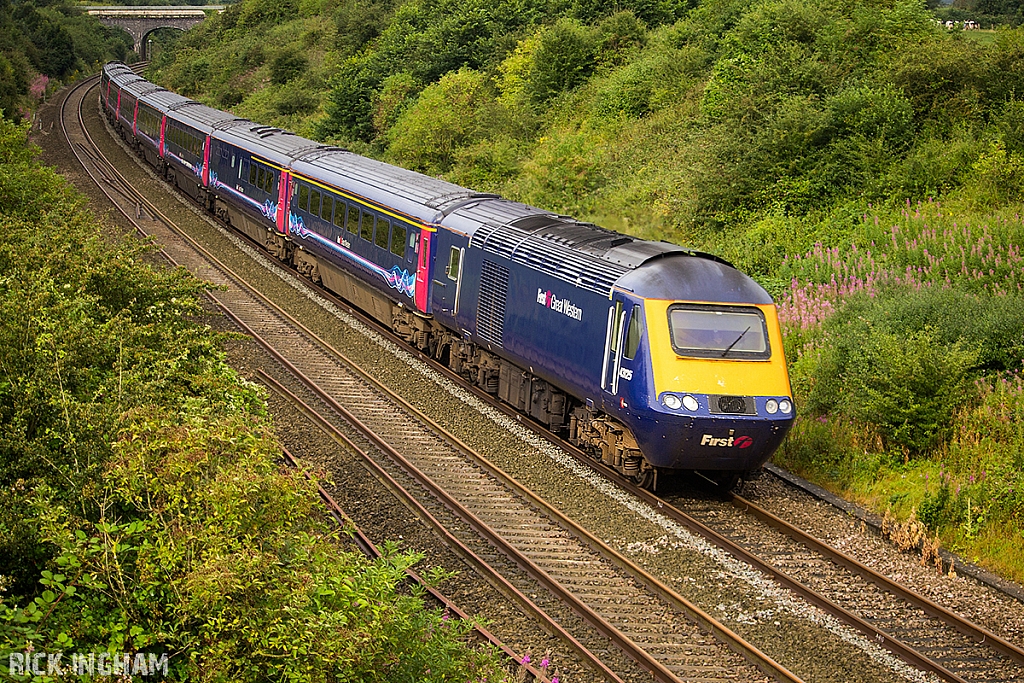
(141, 20)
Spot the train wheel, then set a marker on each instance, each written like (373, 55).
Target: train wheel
(646, 479)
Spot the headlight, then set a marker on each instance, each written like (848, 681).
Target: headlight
(690, 403)
(672, 401)
(772, 406)
(785, 406)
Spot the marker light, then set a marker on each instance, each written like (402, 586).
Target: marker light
(672, 401)
(772, 406)
(785, 406)
(690, 403)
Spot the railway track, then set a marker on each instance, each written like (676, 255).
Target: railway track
(918, 631)
(369, 548)
(660, 630)
(233, 296)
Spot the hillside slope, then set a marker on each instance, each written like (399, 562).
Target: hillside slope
(860, 160)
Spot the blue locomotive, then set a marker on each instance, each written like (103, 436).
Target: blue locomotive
(647, 355)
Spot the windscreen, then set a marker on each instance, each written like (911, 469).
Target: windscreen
(737, 332)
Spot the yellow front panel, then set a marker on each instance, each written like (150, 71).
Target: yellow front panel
(711, 375)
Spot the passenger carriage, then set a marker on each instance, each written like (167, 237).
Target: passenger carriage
(651, 356)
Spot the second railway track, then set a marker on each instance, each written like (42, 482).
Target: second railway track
(670, 642)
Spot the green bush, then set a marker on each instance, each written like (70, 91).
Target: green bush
(900, 361)
(258, 13)
(565, 56)
(445, 117)
(874, 113)
(144, 507)
(286, 66)
(997, 177)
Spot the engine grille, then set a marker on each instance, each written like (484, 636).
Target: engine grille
(491, 304)
(732, 405)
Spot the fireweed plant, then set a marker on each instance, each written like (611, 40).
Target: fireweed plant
(906, 351)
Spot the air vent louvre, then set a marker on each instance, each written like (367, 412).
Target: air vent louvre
(491, 304)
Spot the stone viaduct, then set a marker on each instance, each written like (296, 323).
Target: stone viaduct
(142, 20)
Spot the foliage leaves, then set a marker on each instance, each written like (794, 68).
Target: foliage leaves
(143, 507)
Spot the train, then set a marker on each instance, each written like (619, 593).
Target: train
(651, 357)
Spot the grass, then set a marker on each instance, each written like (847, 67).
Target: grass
(982, 37)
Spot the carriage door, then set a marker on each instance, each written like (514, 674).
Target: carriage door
(447, 276)
(423, 271)
(613, 348)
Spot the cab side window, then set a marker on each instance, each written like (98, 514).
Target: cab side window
(453, 263)
(633, 333)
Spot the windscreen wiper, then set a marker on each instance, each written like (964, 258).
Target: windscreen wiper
(729, 348)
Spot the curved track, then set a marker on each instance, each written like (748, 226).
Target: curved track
(924, 634)
(657, 628)
(233, 296)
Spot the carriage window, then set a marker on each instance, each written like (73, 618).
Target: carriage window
(314, 202)
(632, 335)
(352, 220)
(398, 240)
(304, 197)
(380, 235)
(339, 214)
(327, 208)
(366, 226)
(252, 173)
(453, 263)
(270, 181)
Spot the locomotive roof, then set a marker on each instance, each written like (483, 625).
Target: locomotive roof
(583, 254)
(693, 277)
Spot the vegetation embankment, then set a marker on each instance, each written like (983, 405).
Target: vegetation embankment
(859, 159)
(44, 43)
(144, 508)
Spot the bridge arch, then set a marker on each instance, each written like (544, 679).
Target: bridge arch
(140, 21)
